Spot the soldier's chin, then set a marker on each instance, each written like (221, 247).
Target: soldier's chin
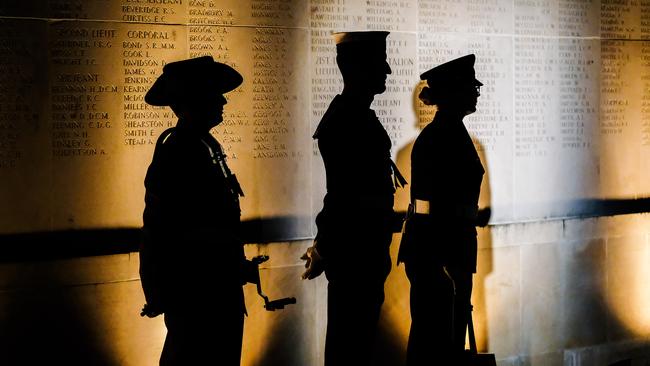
(217, 120)
(470, 110)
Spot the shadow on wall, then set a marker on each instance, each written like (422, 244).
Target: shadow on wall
(49, 323)
(280, 349)
(390, 350)
(485, 261)
(394, 323)
(580, 316)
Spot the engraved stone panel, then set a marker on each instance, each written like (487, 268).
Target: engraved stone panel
(390, 15)
(25, 140)
(103, 133)
(535, 152)
(466, 16)
(285, 13)
(491, 126)
(620, 117)
(578, 18)
(268, 114)
(153, 11)
(624, 19)
(562, 117)
(98, 118)
(536, 18)
(644, 169)
(555, 119)
(376, 15)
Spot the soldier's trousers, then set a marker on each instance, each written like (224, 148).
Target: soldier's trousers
(201, 334)
(440, 305)
(354, 299)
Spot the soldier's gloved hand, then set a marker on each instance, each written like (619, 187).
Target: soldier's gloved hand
(250, 272)
(483, 217)
(315, 264)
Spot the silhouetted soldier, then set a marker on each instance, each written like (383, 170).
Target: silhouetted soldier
(439, 243)
(192, 262)
(356, 223)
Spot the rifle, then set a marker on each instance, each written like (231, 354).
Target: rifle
(274, 304)
(254, 277)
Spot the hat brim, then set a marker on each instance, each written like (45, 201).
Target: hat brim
(176, 84)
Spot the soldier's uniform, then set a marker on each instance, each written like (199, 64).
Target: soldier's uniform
(355, 225)
(439, 246)
(191, 258)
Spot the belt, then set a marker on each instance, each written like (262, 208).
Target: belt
(363, 202)
(423, 207)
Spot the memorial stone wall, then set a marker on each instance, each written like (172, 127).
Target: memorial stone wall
(563, 117)
(563, 120)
